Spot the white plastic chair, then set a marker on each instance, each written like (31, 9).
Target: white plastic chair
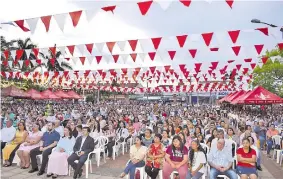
(116, 147)
(124, 145)
(102, 143)
(141, 169)
(86, 168)
(276, 141)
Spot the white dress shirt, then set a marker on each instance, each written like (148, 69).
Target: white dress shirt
(8, 134)
(83, 141)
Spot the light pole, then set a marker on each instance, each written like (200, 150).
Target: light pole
(147, 88)
(257, 21)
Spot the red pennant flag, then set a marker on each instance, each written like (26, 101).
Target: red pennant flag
(52, 61)
(182, 67)
(151, 55)
(182, 39)
(124, 71)
(215, 49)
(234, 35)
(236, 50)
(46, 21)
(172, 54)
(115, 57)
(152, 69)
(53, 50)
(38, 61)
(238, 67)
(20, 23)
(264, 60)
(6, 54)
(207, 38)
(133, 44)
(263, 30)
(27, 62)
(110, 45)
(89, 47)
(98, 59)
(134, 56)
(230, 3)
(186, 3)
(259, 48)
(75, 16)
(193, 52)
(156, 42)
(35, 51)
(197, 66)
(230, 61)
(82, 59)
(280, 46)
(109, 8)
(248, 60)
(167, 68)
(71, 49)
(253, 65)
(144, 6)
(214, 65)
(19, 54)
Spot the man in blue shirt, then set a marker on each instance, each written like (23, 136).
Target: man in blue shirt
(49, 140)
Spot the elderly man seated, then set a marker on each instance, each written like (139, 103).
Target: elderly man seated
(220, 161)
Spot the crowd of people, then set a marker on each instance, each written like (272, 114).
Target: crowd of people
(169, 139)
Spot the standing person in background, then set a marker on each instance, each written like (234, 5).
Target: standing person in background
(269, 134)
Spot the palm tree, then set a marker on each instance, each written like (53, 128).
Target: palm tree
(6, 45)
(56, 67)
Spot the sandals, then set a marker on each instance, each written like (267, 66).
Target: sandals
(7, 165)
(122, 175)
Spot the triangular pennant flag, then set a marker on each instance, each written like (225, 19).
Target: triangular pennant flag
(110, 46)
(13, 54)
(144, 6)
(21, 63)
(107, 59)
(100, 46)
(53, 51)
(33, 62)
(82, 59)
(32, 24)
(71, 49)
(264, 60)
(75, 59)
(62, 50)
(20, 23)
(19, 54)
(89, 47)
(90, 13)
(60, 19)
(115, 58)
(124, 57)
(238, 66)
(46, 21)
(230, 3)
(253, 65)
(214, 65)
(10, 63)
(234, 35)
(109, 8)
(248, 60)
(152, 69)
(151, 55)
(90, 59)
(75, 16)
(164, 4)
(186, 2)
(236, 50)
(35, 52)
(133, 44)
(172, 54)
(259, 48)
(207, 38)
(181, 40)
(81, 48)
(197, 66)
(156, 42)
(121, 45)
(134, 56)
(142, 56)
(98, 59)
(52, 61)
(215, 49)
(6, 54)
(28, 51)
(280, 46)
(263, 30)
(193, 52)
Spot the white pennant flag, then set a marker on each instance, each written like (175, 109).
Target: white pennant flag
(28, 52)
(164, 4)
(81, 48)
(106, 58)
(45, 52)
(124, 57)
(62, 50)
(59, 60)
(33, 62)
(142, 56)
(21, 63)
(61, 73)
(32, 23)
(75, 60)
(100, 46)
(90, 59)
(121, 45)
(90, 13)
(10, 64)
(7, 74)
(60, 19)
(13, 54)
(44, 61)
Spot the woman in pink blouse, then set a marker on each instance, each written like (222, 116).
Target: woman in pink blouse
(137, 124)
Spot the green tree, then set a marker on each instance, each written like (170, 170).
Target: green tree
(270, 75)
(56, 66)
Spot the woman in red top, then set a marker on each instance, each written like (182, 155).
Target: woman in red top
(246, 157)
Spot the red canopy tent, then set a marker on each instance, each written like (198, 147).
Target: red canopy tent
(226, 97)
(13, 91)
(236, 100)
(260, 96)
(63, 95)
(74, 95)
(229, 98)
(47, 94)
(35, 94)
(236, 95)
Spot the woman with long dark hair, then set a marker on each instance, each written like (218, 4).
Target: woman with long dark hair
(176, 158)
(246, 157)
(197, 161)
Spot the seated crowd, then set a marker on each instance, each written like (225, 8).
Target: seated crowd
(168, 140)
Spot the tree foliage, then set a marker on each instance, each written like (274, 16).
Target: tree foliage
(270, 75)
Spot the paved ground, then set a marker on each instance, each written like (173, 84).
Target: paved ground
(111, 169)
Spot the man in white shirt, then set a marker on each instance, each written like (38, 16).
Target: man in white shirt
(227, 144)
(7, 134)
(58, 128)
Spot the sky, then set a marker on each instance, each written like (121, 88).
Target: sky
(127, 23)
